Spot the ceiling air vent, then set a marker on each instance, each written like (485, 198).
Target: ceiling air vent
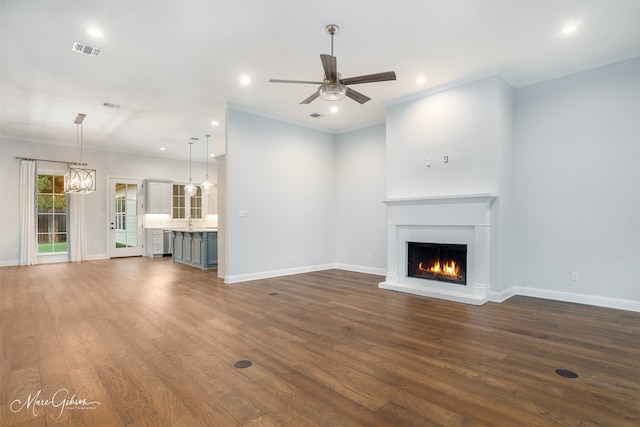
(110, 105)
(86, 49)
(315, 115)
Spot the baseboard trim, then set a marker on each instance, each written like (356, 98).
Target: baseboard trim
(238, 278)
(361, 269)
(502, 295)
(10, 263)
(600, 301)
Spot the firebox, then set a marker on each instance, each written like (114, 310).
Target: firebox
(437, 261)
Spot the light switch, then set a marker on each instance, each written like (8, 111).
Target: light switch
(242, 213)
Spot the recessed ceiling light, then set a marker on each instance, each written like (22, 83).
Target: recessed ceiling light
(162, 148)
(214, 123)
(569, 29)
(245, 80)
(421, 79)
(94, 32)
(334, 109)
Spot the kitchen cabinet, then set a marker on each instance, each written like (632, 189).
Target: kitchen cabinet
(157, 197)
(198, 248)
(154, 242)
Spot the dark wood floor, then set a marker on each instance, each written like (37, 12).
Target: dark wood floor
(155, 344)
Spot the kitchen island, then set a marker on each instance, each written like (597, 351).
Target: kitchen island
(197, 247)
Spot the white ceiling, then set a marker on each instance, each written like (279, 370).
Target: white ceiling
(174, 66)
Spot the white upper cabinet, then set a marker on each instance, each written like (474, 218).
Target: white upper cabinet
(158, 197)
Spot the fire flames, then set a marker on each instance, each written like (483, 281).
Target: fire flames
(449, 269)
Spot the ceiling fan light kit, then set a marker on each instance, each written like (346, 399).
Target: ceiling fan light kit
(332, 91)
(333, 87)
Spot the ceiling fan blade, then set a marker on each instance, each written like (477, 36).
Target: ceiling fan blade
(330, 65)
(294, 81)
(357, 96)
(311, 98)
(379, 77)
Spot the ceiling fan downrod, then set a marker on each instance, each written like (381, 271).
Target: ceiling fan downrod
(331, 29)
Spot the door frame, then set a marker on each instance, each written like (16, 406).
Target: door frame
(110, 208)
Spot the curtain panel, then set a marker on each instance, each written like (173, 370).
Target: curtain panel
(28, 208)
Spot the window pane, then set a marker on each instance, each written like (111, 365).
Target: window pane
(58, 184)
(60, 203)
(45, 203)
(60, 223)
(45, 223)
(132, 191)
(45, 184)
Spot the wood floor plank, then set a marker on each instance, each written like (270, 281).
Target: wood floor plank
(329, 348)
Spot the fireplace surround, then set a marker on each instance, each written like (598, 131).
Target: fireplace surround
(457, 220)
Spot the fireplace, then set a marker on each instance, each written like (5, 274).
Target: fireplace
(462, 225)
(437, 261)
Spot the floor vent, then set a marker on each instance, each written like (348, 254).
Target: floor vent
(240, 364)
(566, 373)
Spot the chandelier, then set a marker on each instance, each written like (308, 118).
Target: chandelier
(190, 189)
(207, 185)
(78, 179)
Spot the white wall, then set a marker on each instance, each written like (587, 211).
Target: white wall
(361, 217)
(577, 185)
(463, 123)
(283, 176)
(472, 124)
(106, 164)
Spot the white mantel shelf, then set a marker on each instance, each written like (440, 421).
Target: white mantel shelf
(453, 198)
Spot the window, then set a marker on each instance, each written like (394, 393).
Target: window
(52, 214)
(178, 201)
(196, 204)
(121, 213)
(183, 204)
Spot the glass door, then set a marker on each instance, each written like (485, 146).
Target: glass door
(126, 232)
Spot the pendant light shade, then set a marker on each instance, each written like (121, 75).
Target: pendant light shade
(207, 185)
(190, 189)
(78, 179)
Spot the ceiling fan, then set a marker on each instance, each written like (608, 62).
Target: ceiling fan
(333, 87)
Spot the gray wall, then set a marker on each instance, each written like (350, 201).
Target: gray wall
(361, 217)
(577, 184)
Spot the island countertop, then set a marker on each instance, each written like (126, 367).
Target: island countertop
(193, 230)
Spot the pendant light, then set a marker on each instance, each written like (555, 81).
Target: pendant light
(190, 189)
(207, 185)
(78, 179)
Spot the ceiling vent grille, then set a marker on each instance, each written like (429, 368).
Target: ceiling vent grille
(315, 115)
(86, 49)
(110, 105)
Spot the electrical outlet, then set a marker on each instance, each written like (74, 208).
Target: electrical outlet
(446, 159)
(575, 276)
(428, 163)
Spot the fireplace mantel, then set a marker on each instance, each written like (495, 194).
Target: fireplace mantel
(453, 198)
(461, 219)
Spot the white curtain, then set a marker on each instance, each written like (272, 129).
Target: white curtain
(28, 209)
(76, 233)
